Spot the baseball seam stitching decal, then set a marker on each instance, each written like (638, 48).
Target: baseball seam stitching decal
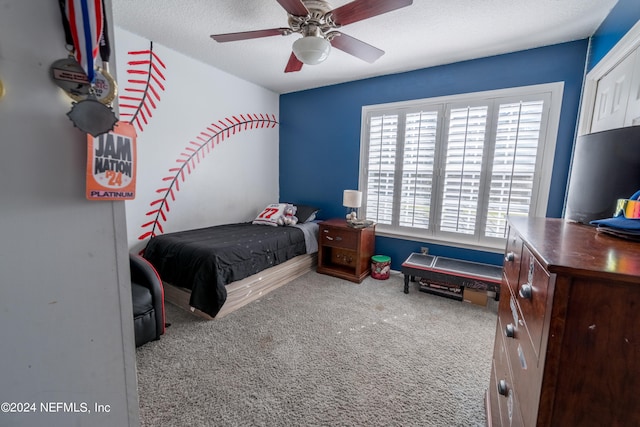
(144, 82)
(191, 156)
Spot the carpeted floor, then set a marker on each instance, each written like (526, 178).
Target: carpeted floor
(321, 351)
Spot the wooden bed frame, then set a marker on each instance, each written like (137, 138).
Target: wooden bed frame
(242, 292)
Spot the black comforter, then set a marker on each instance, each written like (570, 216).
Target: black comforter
(207, 259)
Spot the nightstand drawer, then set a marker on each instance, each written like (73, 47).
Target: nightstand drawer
(338, 238)
(344, 257)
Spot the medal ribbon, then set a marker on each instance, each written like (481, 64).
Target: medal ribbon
(105, 44)
(86, 20)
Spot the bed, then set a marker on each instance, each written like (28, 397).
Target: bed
(215, 270)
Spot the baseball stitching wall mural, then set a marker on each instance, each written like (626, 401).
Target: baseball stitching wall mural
(144, 84)
(195, 151)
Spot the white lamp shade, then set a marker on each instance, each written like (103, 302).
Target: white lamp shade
(311, 50)
(352, 199)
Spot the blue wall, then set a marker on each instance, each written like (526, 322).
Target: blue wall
(320, 128)
(619, 21)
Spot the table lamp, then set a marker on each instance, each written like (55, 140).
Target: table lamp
(352, 200)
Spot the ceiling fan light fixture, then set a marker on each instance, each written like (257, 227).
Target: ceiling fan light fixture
(311, 50)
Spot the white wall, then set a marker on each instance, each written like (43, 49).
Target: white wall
(231, 183)
(65, 301)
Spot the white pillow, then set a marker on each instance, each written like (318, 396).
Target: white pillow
(271, 214)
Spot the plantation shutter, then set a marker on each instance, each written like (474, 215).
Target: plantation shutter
(462, 169)
(514, 163)
(383, 138)
(417, 168)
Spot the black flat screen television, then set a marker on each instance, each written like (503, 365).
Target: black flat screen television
(605, 168)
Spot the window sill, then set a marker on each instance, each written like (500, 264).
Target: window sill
(497, 247)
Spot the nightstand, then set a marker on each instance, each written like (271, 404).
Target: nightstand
(344, 251)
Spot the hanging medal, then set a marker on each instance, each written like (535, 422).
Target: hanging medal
(67, 73)
(106, 87)
(84, 28)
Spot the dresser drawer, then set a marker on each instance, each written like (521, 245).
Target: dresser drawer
(524, 364)
(512, 255)
(339, 238)
(531, 294)
(502, 387)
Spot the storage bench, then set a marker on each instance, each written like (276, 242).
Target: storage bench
(465, 274)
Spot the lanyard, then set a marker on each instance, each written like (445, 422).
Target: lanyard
(83, 22)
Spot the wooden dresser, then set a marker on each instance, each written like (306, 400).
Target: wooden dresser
(345, 251)
(567, 345)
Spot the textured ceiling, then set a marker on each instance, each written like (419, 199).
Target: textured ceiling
(425, 34)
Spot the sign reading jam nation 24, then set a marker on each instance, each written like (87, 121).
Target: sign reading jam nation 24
(111, 164)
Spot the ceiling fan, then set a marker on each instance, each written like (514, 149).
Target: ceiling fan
(317, 23)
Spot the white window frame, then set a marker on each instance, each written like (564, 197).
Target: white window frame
(544, 161)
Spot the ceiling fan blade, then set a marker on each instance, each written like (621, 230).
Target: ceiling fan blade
(294, 64)
(294, 7)
(358, 10)
(355, 47)
(245, 35)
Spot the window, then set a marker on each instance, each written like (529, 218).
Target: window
(453, 168)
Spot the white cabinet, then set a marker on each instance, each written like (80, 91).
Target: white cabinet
(632, 118)
(618, 96)
(611, 96)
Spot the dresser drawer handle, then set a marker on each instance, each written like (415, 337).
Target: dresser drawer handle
(526, 291)
(502, 388)
(509, 257)
(510, 331)
(337, 239)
